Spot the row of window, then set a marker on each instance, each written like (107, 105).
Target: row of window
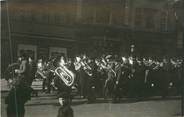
(89, 16)
(143, 18)
(151, 19)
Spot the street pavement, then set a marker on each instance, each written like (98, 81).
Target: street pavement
(47, 106)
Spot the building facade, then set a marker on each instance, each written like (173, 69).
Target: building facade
(69, 27)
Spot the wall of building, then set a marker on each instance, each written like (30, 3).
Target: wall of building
(88, 26)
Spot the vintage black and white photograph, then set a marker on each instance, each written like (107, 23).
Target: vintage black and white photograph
(92, 58)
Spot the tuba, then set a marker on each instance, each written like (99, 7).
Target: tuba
(66, 75)
(63, 73)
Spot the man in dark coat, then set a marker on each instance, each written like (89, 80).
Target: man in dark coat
(118, 83)
(83, 81)
(21, 91)
(16, 99)
(65, 110)
(164, 81)
(91, 88)
(33, 69)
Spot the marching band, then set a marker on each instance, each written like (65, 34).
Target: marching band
(111, 76)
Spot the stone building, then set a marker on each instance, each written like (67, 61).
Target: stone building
(46, 28)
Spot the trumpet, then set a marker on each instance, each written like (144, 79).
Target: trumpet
(86, 68)
(42, 74)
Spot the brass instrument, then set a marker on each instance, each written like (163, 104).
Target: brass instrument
(101, 64)
(82, 63)
(42, 74)
(105, 65)
(67, 76)
(86, 68)
(156, 66)
(77, 64)
(40, 70)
